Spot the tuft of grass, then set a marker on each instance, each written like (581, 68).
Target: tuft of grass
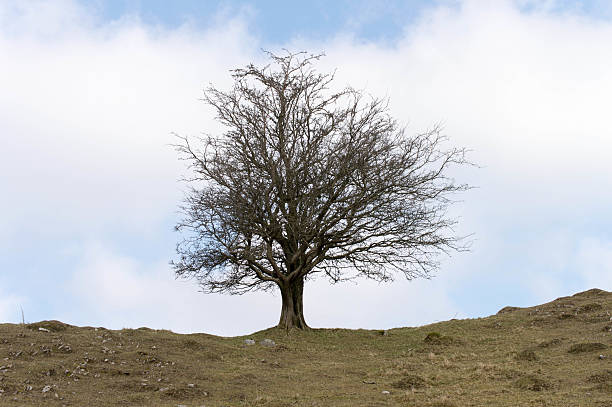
(53, 326)
(603, 377)
(586, 347)
(591, 307)
(550, 343)
(436, 338)
(527, 355)
(533, 383)
(443, 403)
(507, 309)
(410, 382)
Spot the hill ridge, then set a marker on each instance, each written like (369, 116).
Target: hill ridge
(556, 353)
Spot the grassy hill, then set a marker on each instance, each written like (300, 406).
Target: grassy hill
(548, 355)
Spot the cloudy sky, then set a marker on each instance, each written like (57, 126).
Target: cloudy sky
(90, 92)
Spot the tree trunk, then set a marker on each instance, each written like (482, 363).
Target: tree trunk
(292, 312)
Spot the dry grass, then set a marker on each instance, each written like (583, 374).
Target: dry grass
(520, 357)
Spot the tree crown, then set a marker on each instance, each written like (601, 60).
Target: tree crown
(306, 180)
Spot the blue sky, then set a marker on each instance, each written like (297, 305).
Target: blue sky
(92, 91)
(276, 21)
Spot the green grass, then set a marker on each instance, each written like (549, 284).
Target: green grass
(546, 355)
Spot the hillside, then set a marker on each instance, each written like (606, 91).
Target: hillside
(548, 355)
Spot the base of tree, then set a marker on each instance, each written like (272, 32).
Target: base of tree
(284, 328)
(292, 311)
(290, 319)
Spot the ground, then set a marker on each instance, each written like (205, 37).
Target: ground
(555, 354)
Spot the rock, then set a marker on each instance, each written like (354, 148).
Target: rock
(386, 392)
(163, 389)
(191, 385)
(46, 389)
(601, 357)
(249, 342)
(267, 342)
(28, 388)
(43, 329)
(64, 348)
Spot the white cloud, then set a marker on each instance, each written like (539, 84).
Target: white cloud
(370, 305)
(87, 119)
(87, 108)
(117, 292)
(42, 20)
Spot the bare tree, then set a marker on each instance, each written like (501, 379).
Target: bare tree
(306, 180)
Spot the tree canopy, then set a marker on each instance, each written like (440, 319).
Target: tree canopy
(306, 180)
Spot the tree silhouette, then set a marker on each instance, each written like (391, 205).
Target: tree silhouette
(305, 180)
